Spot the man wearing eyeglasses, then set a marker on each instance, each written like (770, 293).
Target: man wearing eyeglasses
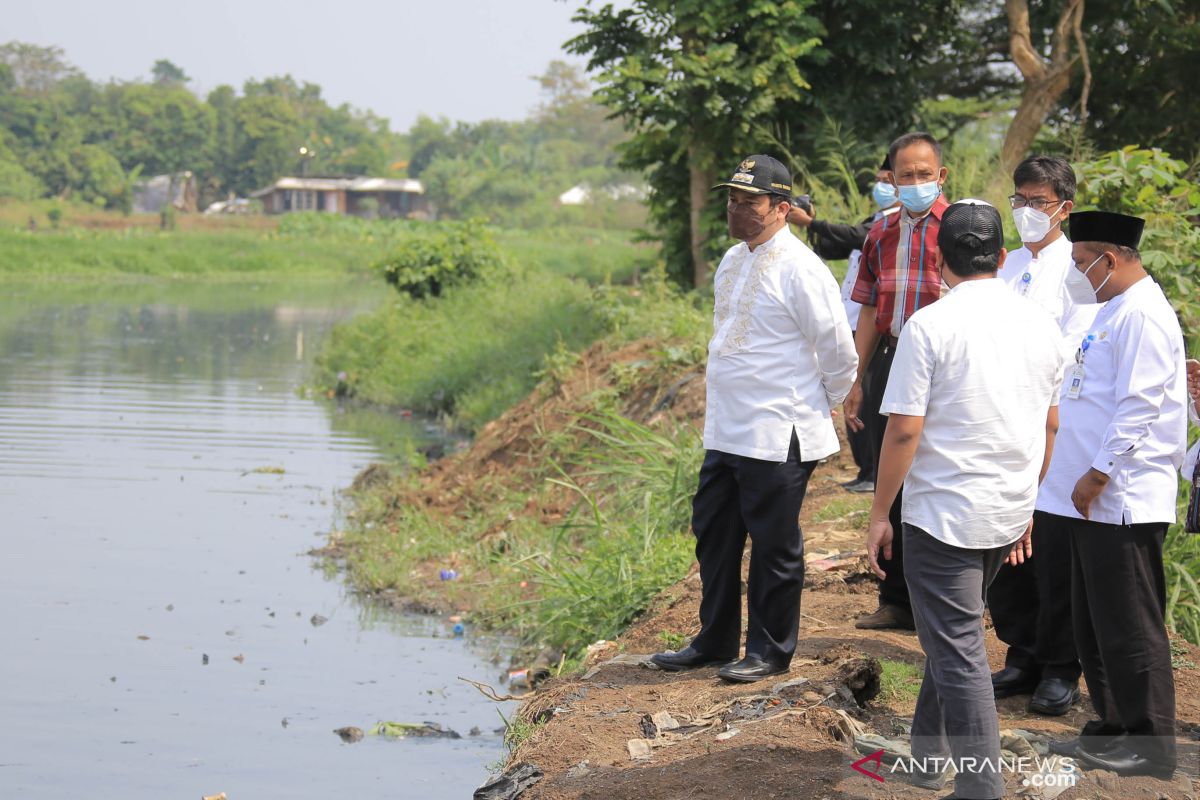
(1030, 601)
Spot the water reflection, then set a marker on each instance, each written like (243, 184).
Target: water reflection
(162, 476)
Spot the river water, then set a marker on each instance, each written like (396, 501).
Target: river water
(162, 478)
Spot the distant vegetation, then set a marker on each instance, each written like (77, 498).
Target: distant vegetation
(65, 136)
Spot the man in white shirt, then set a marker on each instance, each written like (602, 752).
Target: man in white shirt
(780, 359)
(1113, 484)
(972, 410)
(1030, 602)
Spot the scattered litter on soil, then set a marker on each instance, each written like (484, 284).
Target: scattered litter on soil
(512, 784)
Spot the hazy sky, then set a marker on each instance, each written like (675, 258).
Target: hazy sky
(464, 59)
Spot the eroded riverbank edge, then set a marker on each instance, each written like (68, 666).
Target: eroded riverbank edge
(577, 728)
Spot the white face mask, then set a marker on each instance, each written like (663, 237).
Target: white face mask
(1033, 225)
(1079, 288)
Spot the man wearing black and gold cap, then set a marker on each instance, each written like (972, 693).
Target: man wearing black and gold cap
(1112, 485)
(780, 360)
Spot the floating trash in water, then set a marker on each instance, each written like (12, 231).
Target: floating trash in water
(349, 735)
(317, 620)
(401, 730)
(448, 574)
(459, 630)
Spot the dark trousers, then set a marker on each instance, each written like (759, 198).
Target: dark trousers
(862, 447)
(892, 589)
(739, 496)
(1118, 601)
(956, 710)
(1031, 604)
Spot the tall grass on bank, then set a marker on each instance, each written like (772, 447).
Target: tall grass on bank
(469, 354)
(481, 348)
(627, 541)
(563, 585)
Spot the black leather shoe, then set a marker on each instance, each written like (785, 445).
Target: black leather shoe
(1126, 763)
(1011, 680)
(1054, 697)
(687, 658)
(750, 669)
(1071, 747)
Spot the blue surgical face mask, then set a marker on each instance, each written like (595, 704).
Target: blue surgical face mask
(884, 194)
(918, 198)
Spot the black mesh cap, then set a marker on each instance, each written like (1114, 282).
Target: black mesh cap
(970, 228)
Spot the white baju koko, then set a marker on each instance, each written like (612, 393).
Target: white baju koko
(1129, 419)
(781, 357)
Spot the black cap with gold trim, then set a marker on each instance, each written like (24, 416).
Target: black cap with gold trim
(760, 174)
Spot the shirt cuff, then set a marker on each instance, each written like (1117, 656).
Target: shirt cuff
(1108, 463)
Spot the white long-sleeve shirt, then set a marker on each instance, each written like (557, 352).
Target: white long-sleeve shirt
(1046, 286)
(1129, 420)
(781, 357)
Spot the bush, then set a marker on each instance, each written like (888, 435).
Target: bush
(440, 256)
(1152, 185)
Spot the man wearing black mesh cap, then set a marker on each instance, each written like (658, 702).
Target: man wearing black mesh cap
(972, 410)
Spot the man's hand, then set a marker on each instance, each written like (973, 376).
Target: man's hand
(1023, 549)
(879, 538)
(798, 216)
(852, 406)
(1193, 382)
(1086, 490)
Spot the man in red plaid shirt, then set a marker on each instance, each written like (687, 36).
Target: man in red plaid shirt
(897, 275)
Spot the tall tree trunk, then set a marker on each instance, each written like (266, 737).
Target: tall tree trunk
(1045, 81)
(700, 180)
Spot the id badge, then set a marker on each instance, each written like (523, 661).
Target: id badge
(1075, 382)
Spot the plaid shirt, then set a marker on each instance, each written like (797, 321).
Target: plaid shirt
(898, 271)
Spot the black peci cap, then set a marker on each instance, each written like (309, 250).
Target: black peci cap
(760, 174)
(1107, 227)
(969, 228)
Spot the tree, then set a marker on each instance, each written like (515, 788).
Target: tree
(1143, 57)
(36, 70)
(1045, 81)
(693, 80)
(164, 73)
(163, 128)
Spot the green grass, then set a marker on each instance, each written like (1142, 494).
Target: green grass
(136, 254)
(900, 681)
(852, 508)
(469, 354)
(587, 577)
(592, 255)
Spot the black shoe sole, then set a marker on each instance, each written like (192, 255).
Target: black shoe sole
(736, 678)
(720, 662)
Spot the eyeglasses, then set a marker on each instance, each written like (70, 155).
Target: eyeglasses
(1037, 203)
